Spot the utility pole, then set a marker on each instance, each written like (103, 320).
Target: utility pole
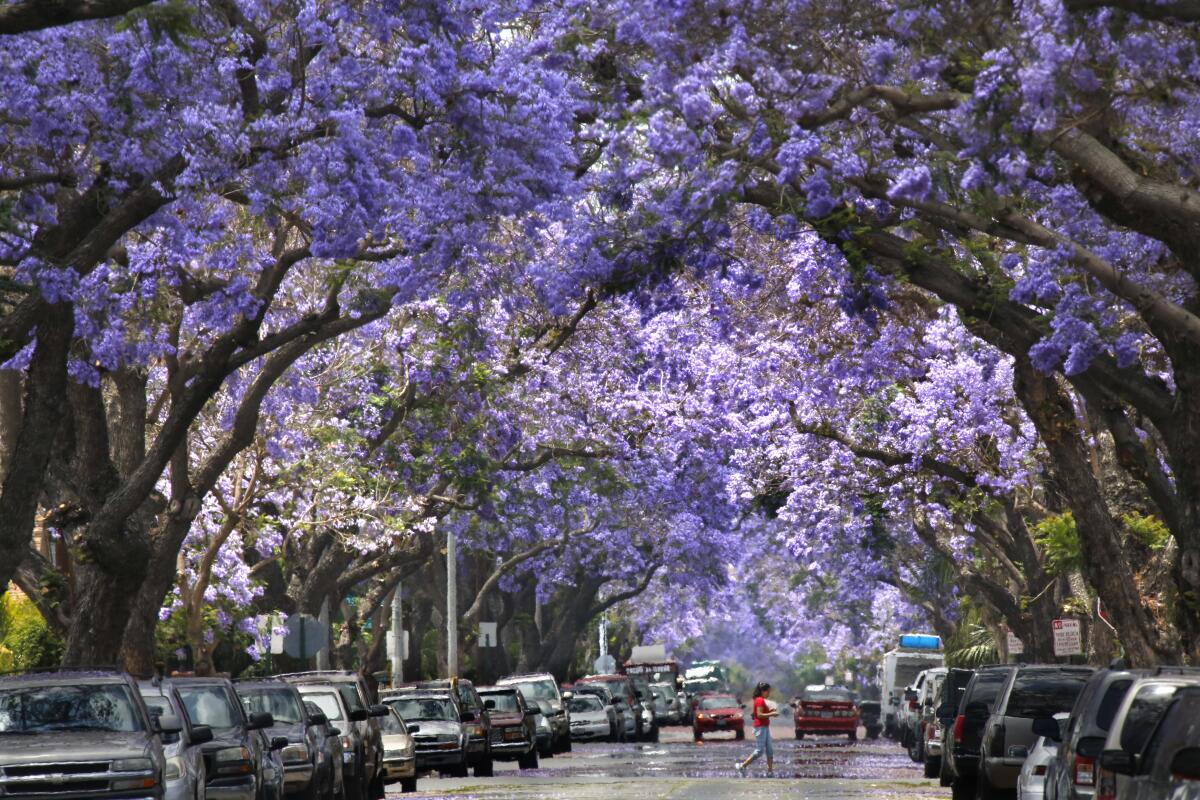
(451, 605)
(397, 638)
(604, 634)
(323, 618)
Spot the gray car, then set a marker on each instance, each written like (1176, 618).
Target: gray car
(673, 714)
(434, 719)
(70, 734)
(1035, 692)
(1073, 776)
(184, 772)
(1169, 765)
(540, 688)
(308, 771)
(589, 718)
(327, 713)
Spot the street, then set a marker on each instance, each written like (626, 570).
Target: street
(677, 767)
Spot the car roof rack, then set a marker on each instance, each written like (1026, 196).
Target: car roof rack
(1175, 669)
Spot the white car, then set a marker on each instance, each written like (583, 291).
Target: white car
(1031, 783)
(399, 752)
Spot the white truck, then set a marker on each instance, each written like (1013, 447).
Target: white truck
(916, 653)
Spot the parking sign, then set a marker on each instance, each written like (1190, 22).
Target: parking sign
(1068, 638)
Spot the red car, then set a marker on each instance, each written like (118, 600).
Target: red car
(827, 710)
(717, 713)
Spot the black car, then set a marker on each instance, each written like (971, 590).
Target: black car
(869, 718)
(477, 720)
(307, 774)
(435, 721)
(363, 770)
(236, 758)
(961, 755)
(76, 734)
(945, 711)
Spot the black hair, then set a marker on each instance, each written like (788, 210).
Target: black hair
(761, 689)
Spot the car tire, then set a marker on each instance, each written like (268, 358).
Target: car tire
(486, 768)
(853, 735)
(944, 776)
(528, 760)
(933, 768)
(740, 735)
(653, 735)
(461, 770)
(984, 789)
(567, 744)
(799, 735)
(408, 785)
(378, 790)
(697, 735)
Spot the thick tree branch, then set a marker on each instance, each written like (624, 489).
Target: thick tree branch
(34, 15)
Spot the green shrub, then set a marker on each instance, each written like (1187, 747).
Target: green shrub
(1148, 530)
(26, 641)
(1059, 540)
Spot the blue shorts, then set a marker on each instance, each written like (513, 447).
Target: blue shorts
(762, 743)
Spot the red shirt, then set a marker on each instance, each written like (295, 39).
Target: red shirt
(760, 702)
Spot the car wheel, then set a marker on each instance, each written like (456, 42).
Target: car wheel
(853, 735)
(933, 768)
(567, 744)
(740, 735)
(378, 791)
(799, 735)
(653, 735)
(528, 760)
(984, 789)
(408, 785)
(485, 768)
(697, 735)
(460, 770)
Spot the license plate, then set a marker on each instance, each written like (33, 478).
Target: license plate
(513, 735)
(826, 714)
(722, 724)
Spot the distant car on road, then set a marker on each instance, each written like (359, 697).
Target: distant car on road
(541, 687)
(614, 707)
(434, 719)
(718, 713)
(589, 718)
(825, 710)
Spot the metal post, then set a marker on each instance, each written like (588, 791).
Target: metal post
(397, 638)
(323, 618)
(451, 606)
(604, 634)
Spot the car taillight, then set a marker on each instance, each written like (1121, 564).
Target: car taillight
(1106, 786)
(960, 722)
(1085, 771)
(912, 705)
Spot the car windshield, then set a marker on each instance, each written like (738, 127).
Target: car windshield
(828, 694)
(279, 703)
(539, 690)
(987, 686)
(720, 701)
(580, 704)
(466, 699)
(95, 707)
(392, 723)
(667, 690)
(1044, 694)
(210, 705)
(418, 708)
(504, 702)
(327, 703)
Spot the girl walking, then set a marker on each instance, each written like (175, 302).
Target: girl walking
(761, 713)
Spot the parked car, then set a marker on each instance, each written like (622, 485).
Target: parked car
(1169, 764)
(673, 714)
(540, 687)
(1074, 774)
(435, 719)
(272, 768)
(362, 774)
(929, 688)
(399, 752)
(53, 721)
(1137, 716)
(589, 718)
(238, 758)
(825, 710)
(475, 720)
(614, 708)
(184, 771)
(1030, 693)
(868, 717)
(620, 685)
(307, 771)
(941, 721)
(513, 732)
(960, 753)
(319, 704)
(718, 713)
(911, 708)
(1031, 782)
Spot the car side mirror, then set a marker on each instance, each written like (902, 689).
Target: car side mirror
(202, 734)
(1048, 728)
(279, 742)
(168, 723)
(568, 695)
(490, 705)
(315, 720)
(1018, 751)
(412, 727)
(910, 694)
(359, 715)
(532, 712)
(260, 720)
(379, 711)
(468, 716)
(338, 731)
(1119, 761)
(1185, 766)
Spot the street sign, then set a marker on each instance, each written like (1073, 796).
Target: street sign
(306, 636)
(1015, 645)
(829, 680)
(1068, 638)
(605, 665)
(487, 634)
(391, 643)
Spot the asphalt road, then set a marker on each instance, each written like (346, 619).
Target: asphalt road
(678, 768)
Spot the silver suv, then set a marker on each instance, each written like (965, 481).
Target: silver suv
(79, 735)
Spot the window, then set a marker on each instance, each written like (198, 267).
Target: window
(987, 686)
(1044, 693)
(505, 702)
(584, 703)
(392, 724)
(710, 703)
(1147, 707)
(417, 708)
(159, 706)
(539, 690)
(349, 693)
(827, 694)
(279, 703)
(1110, 703)
(209, 705)
(38, 709)
(327, 703)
